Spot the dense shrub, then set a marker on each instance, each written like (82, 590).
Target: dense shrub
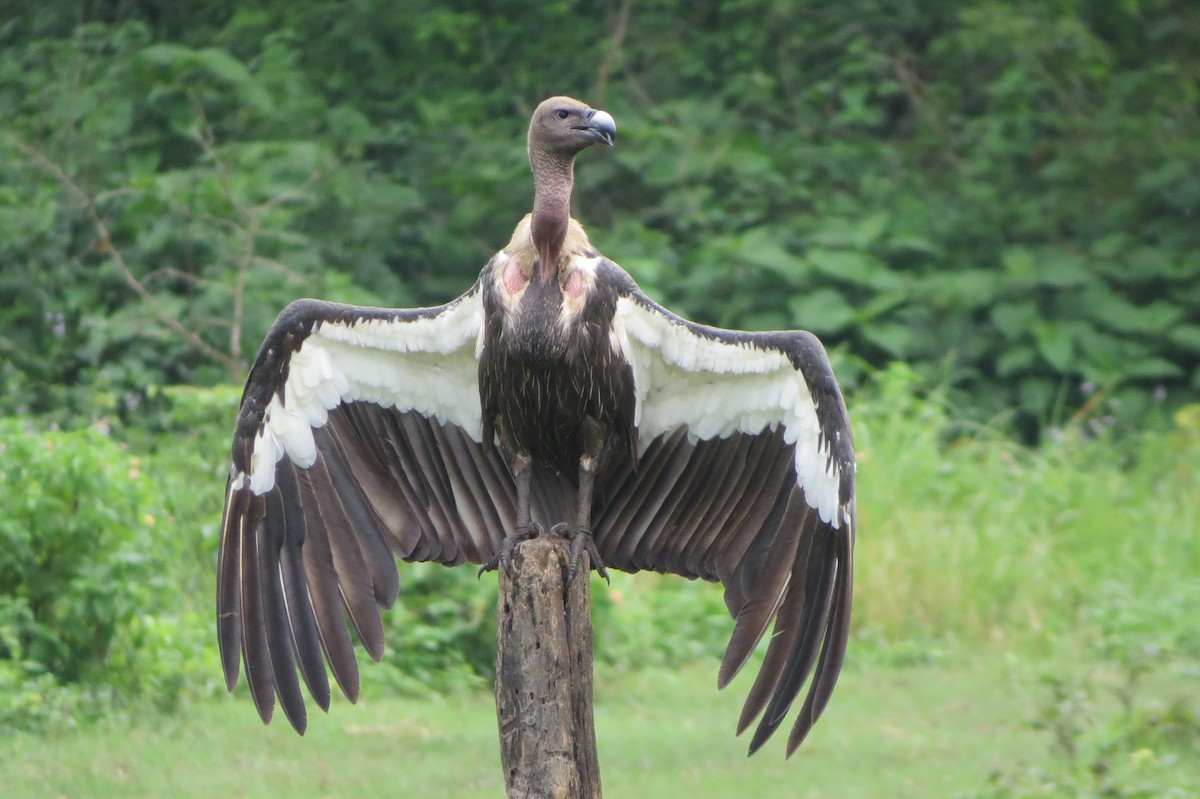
(105, 575)
(1002, 194)
(70, 569)
(72, 575)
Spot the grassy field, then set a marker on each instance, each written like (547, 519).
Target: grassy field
(916, 732)
(962, 729)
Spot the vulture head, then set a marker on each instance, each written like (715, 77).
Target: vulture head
(564, 126)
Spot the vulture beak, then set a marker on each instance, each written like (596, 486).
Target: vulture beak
(599, 126)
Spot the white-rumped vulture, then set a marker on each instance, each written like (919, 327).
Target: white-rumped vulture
(554, 392)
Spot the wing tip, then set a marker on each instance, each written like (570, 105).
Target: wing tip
(798, 735)
(231, 660)
(761, 736)
(747, 718)
(265, 707)
(297, 716)
(322, 700)
(727, 672)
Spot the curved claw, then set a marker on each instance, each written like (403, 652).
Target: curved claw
(581, 541)
(503, 556)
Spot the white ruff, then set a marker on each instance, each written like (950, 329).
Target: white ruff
(714, 388)
(427, 365)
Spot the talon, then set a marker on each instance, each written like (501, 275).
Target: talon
(582, 541)
(503, 556)
(562, 530)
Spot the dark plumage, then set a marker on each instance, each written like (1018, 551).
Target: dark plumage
(553, 392)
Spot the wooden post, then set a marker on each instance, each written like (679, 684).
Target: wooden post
(544, 676)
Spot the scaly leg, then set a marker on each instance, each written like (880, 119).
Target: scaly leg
(522, 470)
(581, 536)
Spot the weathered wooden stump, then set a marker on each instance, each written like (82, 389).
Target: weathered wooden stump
(544, 677)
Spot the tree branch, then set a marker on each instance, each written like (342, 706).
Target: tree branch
(620, 28)
(252, 213)
(105, 245)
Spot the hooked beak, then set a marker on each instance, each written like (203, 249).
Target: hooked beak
(599, 126)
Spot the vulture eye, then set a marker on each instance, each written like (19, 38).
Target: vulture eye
(562, 113)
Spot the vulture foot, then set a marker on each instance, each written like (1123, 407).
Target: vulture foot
(503, 556)
(581, 541)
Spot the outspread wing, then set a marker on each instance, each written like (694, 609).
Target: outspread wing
(357, 442)
(746, 476)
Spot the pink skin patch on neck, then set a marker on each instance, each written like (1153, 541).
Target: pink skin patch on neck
(514, 279)
(573, 287)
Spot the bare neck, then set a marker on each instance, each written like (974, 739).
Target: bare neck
(553, 177)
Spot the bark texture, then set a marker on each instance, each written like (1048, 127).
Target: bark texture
(544, 677)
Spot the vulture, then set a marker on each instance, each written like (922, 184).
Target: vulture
(553, 397)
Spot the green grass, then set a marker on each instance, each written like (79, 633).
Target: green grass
(965, 535)
(930, 731)
(901, 732)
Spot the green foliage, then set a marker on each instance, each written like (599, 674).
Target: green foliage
(998, 193)
(966, 534)
(650, 620)
(105, 575)
(156, 226)
(68, 573)
(1121, 719)
(71, 576)
(441, 633)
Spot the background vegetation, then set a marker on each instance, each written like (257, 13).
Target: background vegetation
(999, 193)
(987, 209)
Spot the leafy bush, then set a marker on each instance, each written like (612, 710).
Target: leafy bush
(105, 576)
(441, 633)
(647, 620)
(71, 572)
(160, 227)
(1001, 194)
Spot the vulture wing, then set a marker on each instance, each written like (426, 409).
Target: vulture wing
(746, 476)
(358, 437)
